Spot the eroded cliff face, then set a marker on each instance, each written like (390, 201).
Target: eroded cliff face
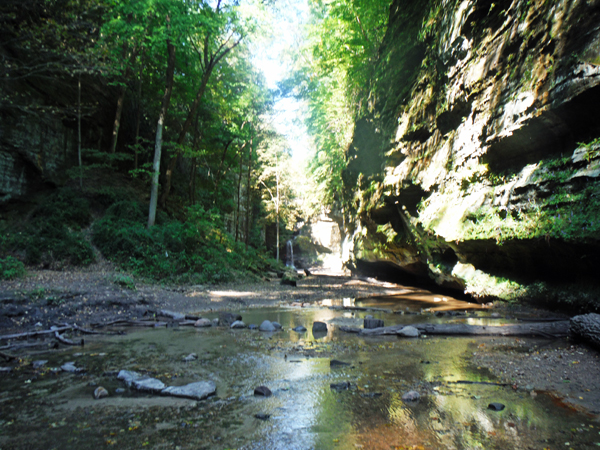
(485, 127)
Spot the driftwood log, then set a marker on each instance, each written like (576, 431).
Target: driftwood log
(587, 327)
(546, 329)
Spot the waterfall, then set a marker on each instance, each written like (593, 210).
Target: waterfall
(289, 254)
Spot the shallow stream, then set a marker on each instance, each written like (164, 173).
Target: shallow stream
(47, 408)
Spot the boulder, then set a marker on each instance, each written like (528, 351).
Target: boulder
(196, 391)
(587, 327)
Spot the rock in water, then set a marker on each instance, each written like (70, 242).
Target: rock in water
(253, 326)
(39, 363)
(319, 327)
(277, 325)
(197, 391)
(262, 416)
(494, 406)
(70, 367)
(190, 357)
(238, 324)
(226, 318)
(411, 396)
(373, 323)
(340, 386)
(262, 391)
(266, 326)
(203, 323)
(300, 329)
(100, 392)
(408, 332)
(140, 382)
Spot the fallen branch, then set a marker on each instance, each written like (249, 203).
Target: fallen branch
(7, 357)
(33, 333)
(66, 341)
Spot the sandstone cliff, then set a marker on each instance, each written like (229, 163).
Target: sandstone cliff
(479, 164)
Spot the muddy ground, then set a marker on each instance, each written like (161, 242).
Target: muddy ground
(100, 294)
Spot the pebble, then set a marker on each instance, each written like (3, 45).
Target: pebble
(190, 357)
(100, 392)
(70, 367)
(262, 391)
(411, 396)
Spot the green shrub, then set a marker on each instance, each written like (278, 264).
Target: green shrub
(197, 250)
(11, 268)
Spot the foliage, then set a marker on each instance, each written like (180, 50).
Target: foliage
(11, 268)
(50, 235)
(197, 250)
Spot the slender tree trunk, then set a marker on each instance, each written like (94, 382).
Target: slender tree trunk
(138, 118)
(79, 131)
(248, 195)
(159, 130)
(277, 203)
(117, 122)
(239, 199)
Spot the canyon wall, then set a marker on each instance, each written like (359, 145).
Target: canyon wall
(478, 166)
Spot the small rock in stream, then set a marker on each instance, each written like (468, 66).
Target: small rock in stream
(340, 386)
(277, 325)
(494, 406)
(100, 392)
(238, 324)
(337, 363)
(203, 323)
(262, 416)
(408, 331)
(267, 326)
(70, 367)
(190, 357)
(140, 382)
(300, 329)
(39, 363)
(262, 391)
(319, 327)
(371, 394)
(411, 396)
(253, 326)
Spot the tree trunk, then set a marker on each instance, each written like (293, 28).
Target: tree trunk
(138, 118)
(587, 327)
(159, 130)
(548, 329)
(79, 131)
(117, 122)
(239, 199)
(248, 195)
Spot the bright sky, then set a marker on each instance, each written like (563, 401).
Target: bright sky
(273, 62)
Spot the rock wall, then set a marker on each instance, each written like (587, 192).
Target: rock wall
(485, 125)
